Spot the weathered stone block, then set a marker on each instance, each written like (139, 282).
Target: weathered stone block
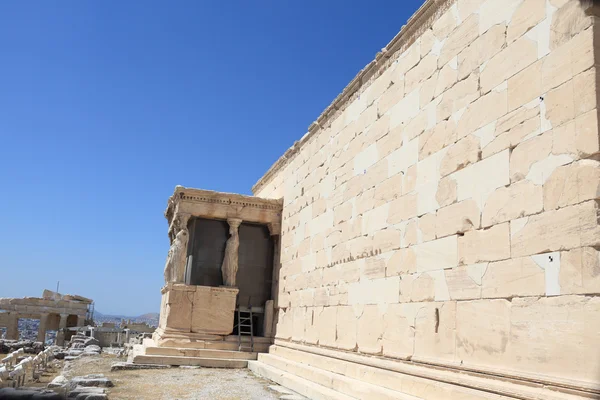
(572, 184)
(346, 328)
(485, 245)
(568, 21)
(446, 193)
(560, 104)
(525, 86)
(370, 330)
(437, 254)
(402, 209)
(464, 283)
(484, 110)
(458, 218)
(481, 50)
(514, 58)
(563, 229)
(398, 333)
(515, 201)
(459, 39)
(514, 277)
(527, 15)
(580, 271)
(464, 152)
(435, 331)
(403, 261)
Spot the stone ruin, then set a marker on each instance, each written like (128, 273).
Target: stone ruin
(54, 311)
(434, 234)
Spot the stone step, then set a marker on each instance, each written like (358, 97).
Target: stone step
(426, 382)
(259, 347)
(194, 361)
(352, 387)
(297, 384)
(203, 353)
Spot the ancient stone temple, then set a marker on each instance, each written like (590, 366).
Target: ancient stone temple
(56, 312)
(439, 221)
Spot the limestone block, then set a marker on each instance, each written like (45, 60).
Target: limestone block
(464, 152)
(459, 39)
(427, 226)
(409, 181)
(514, 277)
(325, 323)
(418, 287)
(427, 40)
(448, 77)
(388, 190)
(433, 140)
(552, 336)
(496, 12)
(464, 283)
(458, 218)
(446, 193)
(374, 267)
(527, 125)
(213, 310)
(399, 331)
(481, 50)
(515, 201)
(283, 328)
(458, 97)
(525, 85)
(311, 333)
(467, 7)
(370, 330)
(402, 209)
(402, 158)
(421, 72)
(580, 138)
(527, 15)
(485, 245)
(386, 240)
(298, 323)
(428, 178)
(378, 218)
(437, 254)
(482, 331)
(435, 331)
(484, 110)
(342, 213)
(572, 184)
(560, 104)
(478, 181)
(526, 154)
(568, 60)
(568, 21)
(406, 109)
(427, 90)
(179, 302)
(585, 89)
(562, 229)
(376, 291)
(346, 328)
(408, 59)
(403, 261)
(514, 58)
(415, 126)
(580, 271)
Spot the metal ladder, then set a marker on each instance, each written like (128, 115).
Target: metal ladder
(245, 328)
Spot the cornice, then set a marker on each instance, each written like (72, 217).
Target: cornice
(183, 194)
(421, 20)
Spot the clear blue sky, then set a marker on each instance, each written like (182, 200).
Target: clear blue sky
(106, 106)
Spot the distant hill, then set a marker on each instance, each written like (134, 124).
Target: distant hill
(148, 316)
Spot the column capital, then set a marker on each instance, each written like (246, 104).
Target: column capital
(64, 315)
(234, 222)
(274, 228)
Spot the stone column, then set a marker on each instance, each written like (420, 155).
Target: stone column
(62, 326)
(12, 330)
(229, 268)
(80, 320)
(126, 335)
(41, 336)
(275, 231)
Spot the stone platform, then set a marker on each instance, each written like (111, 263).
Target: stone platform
(323, 374)
(205, 353)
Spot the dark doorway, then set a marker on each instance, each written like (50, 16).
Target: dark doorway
(208, 238)
(255, 271)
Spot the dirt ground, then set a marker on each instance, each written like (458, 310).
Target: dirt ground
(175, 383)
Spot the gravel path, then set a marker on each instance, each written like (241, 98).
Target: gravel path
(176, 383)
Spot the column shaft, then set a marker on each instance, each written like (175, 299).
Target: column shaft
(60, 335)
(41, 336)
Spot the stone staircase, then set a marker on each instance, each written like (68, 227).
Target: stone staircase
(213, 354)
(322, 374)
